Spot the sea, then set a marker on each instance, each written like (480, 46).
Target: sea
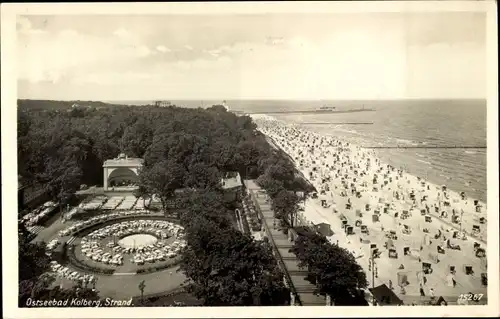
(394, 123)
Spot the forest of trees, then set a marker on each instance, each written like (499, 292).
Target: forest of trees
(62, 148)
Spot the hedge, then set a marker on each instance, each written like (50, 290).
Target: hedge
(174, 261)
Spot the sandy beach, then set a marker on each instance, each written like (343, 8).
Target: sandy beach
(427, 236)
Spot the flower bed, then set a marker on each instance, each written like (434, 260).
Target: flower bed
(251, 215)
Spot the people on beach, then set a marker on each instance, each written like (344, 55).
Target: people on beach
(432, 294)
(396, 204)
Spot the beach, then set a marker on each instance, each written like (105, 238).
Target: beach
(416, 124)
(426, 236)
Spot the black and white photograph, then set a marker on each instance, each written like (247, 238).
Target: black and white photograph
(182, 155)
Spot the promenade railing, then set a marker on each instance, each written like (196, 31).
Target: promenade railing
(281, 263)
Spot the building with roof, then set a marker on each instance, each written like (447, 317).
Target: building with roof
(121, 173)
(384, 296)
(232, 185)
(231, 180)
(162, 103)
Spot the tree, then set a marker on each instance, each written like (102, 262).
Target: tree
(339, 275)
(217, 108)
(136, 139)
(200, 175)
(246, 123)
(227, 268)
(33, 261)
(333, 269)
(286, 205)
(205, 205)
(283, 171)
(162, 179)
(142, 192)
(35, 289)
(272, 186)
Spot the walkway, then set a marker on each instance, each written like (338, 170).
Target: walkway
(295, 276)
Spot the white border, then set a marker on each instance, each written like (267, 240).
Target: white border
(9, 160)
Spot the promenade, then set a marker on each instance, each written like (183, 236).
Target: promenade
(294, 276)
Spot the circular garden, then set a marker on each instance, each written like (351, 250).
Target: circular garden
(118, 243)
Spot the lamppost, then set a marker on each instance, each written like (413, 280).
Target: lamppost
(142, 285)
(246, 172)
(373, 267)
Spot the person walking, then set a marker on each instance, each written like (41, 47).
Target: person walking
(422, 292)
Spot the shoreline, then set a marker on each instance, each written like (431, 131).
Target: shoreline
(461, 166)
(455, 192)
(421, 245)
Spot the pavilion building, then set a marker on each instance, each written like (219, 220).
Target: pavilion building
(121, 173)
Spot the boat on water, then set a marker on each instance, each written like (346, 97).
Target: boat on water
(343, 111)
(325, 107)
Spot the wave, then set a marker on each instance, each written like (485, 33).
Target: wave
(350, 131)
(425, 162)
(405, 141)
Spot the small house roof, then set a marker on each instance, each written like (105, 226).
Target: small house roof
(385, 296)
(231, 180)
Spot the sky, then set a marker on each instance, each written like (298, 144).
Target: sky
(265, 56)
